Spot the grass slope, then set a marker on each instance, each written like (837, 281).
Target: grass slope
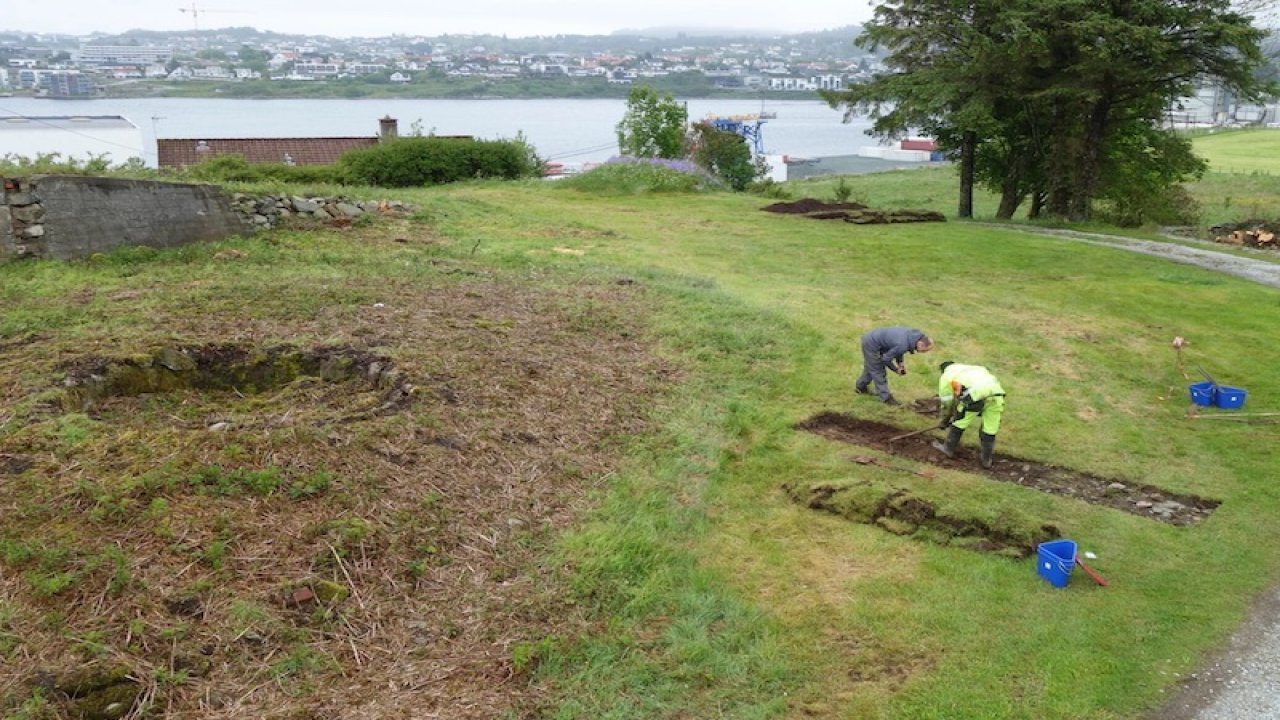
(1250, 152)
(695, 587)
(1081, 337)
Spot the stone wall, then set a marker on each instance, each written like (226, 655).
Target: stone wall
(268, 211)
(68, 217)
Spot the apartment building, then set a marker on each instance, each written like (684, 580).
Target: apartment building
(135, 55)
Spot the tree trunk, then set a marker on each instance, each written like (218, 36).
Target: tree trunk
(1090, 168)
(1010, 195)
(968, 146)
(1037, 204)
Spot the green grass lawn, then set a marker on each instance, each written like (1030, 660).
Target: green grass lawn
(709, 592)
(1248, 152)
(855, 622)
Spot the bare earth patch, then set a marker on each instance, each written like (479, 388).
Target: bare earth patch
(851, 212)
(1145, 501)
(346, 528)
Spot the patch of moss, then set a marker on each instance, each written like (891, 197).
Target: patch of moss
(330, 592)
(110, 703)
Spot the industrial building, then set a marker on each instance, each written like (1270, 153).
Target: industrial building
(76, 137)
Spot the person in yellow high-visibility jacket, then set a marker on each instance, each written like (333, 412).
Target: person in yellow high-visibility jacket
(966, 392)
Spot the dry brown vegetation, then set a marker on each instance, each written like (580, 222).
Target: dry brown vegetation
(359, 543)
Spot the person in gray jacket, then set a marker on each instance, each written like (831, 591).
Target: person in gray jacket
(884, 348)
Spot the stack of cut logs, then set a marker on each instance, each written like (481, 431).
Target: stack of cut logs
(1249, 234)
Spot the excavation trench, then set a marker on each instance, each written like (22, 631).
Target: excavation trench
(229, 368)
(1145, 501)
(902, 512)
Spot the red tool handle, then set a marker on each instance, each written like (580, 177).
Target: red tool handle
(1089, 571)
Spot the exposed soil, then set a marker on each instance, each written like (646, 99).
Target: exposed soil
(805, 206)
(257, 528)
(855, 213)
(1143, 500)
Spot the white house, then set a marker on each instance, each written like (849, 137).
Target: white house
(211, 72)
(399, 77)
(71, 136)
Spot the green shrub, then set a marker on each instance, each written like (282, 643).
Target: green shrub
(634, 176)
(55, 164)
(430, 160)
(724, 154)
(770, 188)
(1172, 206)
(842, 192)
(234, 168)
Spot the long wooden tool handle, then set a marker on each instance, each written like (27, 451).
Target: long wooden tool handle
(1088, 570)
(916, 432)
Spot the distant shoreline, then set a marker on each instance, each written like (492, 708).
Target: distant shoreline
(432, 90)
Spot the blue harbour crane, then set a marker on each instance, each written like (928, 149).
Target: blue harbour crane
(748, 126)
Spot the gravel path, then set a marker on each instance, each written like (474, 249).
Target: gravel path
(1239, 682)
(1260, 271)
(1242, 680)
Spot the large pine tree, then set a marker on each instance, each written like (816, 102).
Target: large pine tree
(1051, 99)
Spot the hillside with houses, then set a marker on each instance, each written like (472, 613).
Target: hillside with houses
(145, 62)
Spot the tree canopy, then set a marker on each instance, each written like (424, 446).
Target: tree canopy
(1053, 100)
(653, 125)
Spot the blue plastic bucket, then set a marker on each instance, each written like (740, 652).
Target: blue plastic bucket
(1202, 393)
(1231, 398)
(1056, 560)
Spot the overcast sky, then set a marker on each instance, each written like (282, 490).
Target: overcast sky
(370, 18)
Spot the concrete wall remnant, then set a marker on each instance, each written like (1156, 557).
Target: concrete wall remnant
(68, 217)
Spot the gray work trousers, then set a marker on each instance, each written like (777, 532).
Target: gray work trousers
(873, 368)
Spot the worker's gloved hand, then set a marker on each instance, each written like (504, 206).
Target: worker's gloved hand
(901, 370)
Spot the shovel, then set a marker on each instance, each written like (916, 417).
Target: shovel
(1090, 571)
(913, 433)
(951, 415)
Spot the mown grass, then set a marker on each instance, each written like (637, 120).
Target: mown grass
(1242, 183)
(1240, 152)
(874, 626)
(710, 593)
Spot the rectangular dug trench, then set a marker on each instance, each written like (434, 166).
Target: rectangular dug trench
(1145, 501)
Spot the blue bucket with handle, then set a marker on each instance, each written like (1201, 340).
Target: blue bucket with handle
(1203, 393)
(1055, 561)
(1230, 398)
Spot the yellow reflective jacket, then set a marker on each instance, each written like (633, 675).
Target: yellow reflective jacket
(975, 379)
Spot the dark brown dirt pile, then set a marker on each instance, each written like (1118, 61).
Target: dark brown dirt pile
(855, 213)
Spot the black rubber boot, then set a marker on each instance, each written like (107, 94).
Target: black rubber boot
(953, 440)
(988, 445)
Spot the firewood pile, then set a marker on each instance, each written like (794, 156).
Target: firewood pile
(852, 212)
(1251, 233)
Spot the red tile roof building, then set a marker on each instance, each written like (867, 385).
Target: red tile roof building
(178, 153)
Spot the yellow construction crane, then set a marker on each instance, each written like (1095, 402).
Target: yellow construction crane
(196, 12)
